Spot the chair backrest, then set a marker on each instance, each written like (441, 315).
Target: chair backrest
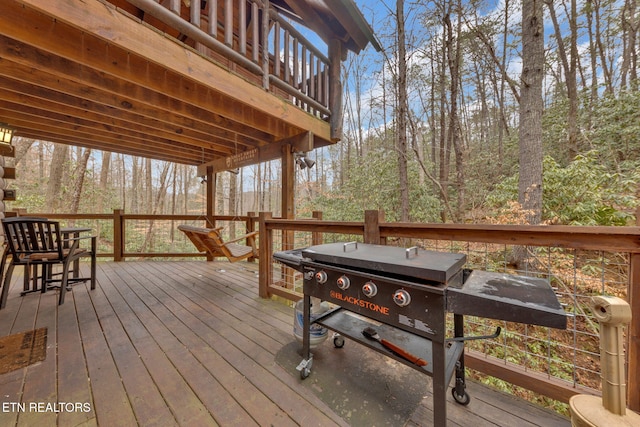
(28, 236)
(201, 239)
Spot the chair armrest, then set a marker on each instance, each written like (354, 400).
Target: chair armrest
(199, 230)
(76, 240)
(246, 236)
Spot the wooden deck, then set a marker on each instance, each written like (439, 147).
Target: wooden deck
(188, 344)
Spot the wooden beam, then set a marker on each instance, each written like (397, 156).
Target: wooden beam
(303, 142)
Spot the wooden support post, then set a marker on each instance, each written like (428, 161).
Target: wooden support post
(210, 182)
(288, 184)
(335, 89)
(288, 188)
(633, 297)
(265, 250)
(249, 228)
(372, 220)
(118, 235)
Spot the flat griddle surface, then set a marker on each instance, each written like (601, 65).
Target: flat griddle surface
(417, 263)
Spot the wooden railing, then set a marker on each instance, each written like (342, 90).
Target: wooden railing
(112, 243)
(253, 36)
(278, 234)
(615, 240)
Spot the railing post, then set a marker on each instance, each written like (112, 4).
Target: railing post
(633, 297)
(118, 235)
(265, 250)
(372, 220)
(316, 236)
(249, 225)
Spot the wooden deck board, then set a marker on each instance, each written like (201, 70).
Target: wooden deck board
(185, 343)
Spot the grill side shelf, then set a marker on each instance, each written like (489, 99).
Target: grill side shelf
(351, 325)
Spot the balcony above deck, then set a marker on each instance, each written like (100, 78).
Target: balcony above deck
(196, 82)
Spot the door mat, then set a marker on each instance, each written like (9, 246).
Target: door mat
(363, 387)
(22, 349)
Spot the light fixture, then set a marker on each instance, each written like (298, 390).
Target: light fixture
(6, 134)
(303, 161)
(203, 179)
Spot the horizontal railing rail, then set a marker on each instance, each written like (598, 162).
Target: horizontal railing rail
(117, 229)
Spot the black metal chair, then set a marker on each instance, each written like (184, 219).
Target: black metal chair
(38, 242)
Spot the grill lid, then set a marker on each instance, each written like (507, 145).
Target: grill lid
(413, 262)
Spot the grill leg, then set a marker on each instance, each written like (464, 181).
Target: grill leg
(305, 365)
(459, 393)
(439, 385)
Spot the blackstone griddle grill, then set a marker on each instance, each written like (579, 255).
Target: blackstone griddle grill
(405, 294)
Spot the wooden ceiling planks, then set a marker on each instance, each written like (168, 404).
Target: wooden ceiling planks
(88, 75)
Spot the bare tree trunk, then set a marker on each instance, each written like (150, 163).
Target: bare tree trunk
(174, 199)
(403, 110)
(452, 43)
(531, 106)
(135, 183)
(22, 146)
(606, 72)
(147, 203)
(233, 202)
(155, 208)
(628, 72)
(220, 194)
(502, 123)
(40, 160)
(569, 66)
(530, 129)
(104, 179)
(443, 157)
(81, 168)
(123, 183)
(56, 171)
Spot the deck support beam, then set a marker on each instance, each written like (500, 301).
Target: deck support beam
(335, 88)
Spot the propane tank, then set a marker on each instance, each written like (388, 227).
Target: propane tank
(610, 410)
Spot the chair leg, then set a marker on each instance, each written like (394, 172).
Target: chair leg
(64, 281)
(5, 286)
(27, 278)
(94, 244)
(46, 276)
(93, 270)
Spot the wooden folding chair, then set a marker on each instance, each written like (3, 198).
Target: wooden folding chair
(38, 242)
(209, 240)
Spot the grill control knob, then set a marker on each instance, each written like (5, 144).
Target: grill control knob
(343, 282)
(370, 289)
(321, 277)
(401, 298)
